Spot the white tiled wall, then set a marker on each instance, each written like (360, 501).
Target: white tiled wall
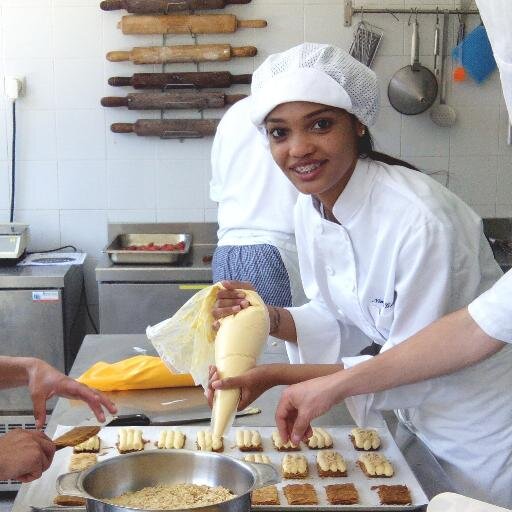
(74, 175)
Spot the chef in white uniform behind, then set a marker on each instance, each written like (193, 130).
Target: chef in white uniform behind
(256, 240)
(383, 252)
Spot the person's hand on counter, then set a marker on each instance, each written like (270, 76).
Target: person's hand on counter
(44, 382)
(25, 455)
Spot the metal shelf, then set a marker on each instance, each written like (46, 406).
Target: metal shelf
(350, 10)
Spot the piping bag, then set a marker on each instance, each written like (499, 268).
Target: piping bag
(239, 342)
(187, 343)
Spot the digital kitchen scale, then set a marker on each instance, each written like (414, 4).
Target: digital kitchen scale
(14, 238)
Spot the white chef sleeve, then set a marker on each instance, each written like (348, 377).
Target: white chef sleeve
(492, 311)
(439, 272)
(318, 334)
(365, 409)
(217, 176)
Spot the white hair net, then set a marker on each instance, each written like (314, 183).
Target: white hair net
(317, 73)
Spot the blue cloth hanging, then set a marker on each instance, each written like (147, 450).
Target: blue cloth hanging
(475, 52)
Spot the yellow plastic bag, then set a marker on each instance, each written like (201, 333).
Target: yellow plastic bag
(185, 341)
(138, 372)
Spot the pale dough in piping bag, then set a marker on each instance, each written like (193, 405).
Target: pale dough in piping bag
(238, 344)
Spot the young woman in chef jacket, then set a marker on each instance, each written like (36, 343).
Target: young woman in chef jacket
(383, 251)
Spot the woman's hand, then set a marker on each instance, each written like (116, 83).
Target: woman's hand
(252, 384)
(44, 381)
(301, 403)
(230, 301)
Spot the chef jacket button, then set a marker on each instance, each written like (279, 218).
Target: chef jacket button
(329, 270)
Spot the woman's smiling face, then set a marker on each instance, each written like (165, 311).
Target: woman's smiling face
(315, 146)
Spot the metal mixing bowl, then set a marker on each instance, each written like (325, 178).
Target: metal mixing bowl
(135, 471)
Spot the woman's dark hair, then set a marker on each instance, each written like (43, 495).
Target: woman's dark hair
(365, 150)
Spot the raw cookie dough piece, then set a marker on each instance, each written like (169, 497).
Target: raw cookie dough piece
(320, 439)
(300, 494)
(238, 344)
(92, 445)
(283, 447)
(365, 439)
(171, 440)
(130, 440)
(81, 461)
(257, 457)
(375, 465)
(207, 442)
(342, 494)
(265, 496)
(295, 466)
(330, 463)
(248, 441)
(393, 494)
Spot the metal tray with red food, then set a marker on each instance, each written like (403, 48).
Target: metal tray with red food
(149, 248)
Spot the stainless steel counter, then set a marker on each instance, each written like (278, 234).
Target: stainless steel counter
(47, 276)
(112, 348)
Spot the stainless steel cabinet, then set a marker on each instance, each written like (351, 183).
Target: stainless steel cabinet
(39, 317)
(128, 308)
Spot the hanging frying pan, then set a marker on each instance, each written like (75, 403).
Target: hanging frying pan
(413, 88)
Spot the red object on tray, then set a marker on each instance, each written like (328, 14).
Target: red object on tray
(180, 246)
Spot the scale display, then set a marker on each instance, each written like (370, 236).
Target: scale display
(9, 243)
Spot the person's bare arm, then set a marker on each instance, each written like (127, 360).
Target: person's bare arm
(13, 371)
(44, 381)
(449, 344)
(263, 377)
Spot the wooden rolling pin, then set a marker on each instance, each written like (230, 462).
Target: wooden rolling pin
(186, 24)
(169, 128)
(199, 79)
(165, 6)
(182, 53)
(172, 100)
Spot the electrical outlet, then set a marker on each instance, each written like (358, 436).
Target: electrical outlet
(14, 87)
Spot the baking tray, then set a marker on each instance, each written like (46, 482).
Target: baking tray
(118, 252)
(42, 491)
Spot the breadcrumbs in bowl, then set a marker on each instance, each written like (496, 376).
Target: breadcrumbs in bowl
(170, 497)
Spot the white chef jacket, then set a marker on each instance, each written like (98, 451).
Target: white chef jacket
(255, 198)
(406, 252)
(492, 311)
(497, 18)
